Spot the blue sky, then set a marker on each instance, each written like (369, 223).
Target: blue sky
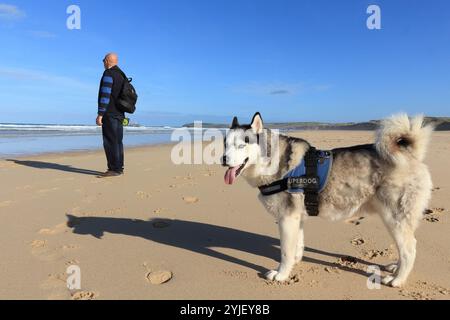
(207, 60)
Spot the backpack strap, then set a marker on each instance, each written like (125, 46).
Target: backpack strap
(124, 75)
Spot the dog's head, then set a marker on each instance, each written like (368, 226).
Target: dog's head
(242, 147)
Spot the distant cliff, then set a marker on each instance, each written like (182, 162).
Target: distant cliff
(442, 124)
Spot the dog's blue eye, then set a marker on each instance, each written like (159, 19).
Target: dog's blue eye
(242, 146)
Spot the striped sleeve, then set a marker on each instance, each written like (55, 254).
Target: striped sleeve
(104, 96)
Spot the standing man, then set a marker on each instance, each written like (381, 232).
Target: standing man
(110, 118)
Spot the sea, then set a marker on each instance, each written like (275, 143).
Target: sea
(33, 139)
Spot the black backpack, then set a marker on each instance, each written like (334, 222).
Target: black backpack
(128, 96)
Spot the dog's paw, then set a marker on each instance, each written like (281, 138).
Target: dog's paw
(391, 268)
(393, 282)
(387, 280)
(271, 275)
(397, 283)
(274, 275)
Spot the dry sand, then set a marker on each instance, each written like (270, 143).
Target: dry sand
(177, 232)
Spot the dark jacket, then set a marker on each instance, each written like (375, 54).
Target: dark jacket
(110, 88)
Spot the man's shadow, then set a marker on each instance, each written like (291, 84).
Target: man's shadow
(198, 237)
(54, 166)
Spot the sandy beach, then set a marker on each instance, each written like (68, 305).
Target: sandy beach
(181, 225)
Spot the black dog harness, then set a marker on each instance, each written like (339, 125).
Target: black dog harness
(309, 177)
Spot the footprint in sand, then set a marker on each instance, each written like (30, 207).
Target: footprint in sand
(160, 210)
(143, 195)
(422, 290)
(43, 252)
(355, 221)
(313, 283)
(357, 241)
(111, 212)
(431, 215)
(56, 284)
(348, 261)
(55, 281)
(159, 277)
(69, 247)
(293, 279)
(191, 200)
(416, 295)
(313, 270)
(236, 274)
(435, 211)
(44, 191)
(48, 255)
(188, 177)
(84, 295)
(183, 185)
(40, 249)
(5, 204)
(431, 219)
(60, 228)
(373, 254)
(332, 270)
(36, 244)
(209, 174)
(72, 262)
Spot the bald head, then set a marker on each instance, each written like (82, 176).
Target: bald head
(111, 60)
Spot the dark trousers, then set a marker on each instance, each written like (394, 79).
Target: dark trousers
(112, 142)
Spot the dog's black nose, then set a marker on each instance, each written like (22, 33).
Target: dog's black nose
(224, 161)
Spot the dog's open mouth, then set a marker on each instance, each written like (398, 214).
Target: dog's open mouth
(234, 172)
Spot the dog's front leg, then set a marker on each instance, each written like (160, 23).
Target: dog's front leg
(289, 231)
(300, 244)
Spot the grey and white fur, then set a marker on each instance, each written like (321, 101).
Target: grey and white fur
(388, 178)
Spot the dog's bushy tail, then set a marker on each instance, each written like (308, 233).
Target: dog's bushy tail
(401, 139)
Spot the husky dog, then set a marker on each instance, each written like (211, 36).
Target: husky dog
(387, 177)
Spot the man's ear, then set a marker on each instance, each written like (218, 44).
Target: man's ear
(235, 123)
(257, 123)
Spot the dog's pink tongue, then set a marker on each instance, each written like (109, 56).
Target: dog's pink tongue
(230, 175)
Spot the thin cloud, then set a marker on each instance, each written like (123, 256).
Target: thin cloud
(26, 75)
(320, 88)
(262, 89)
(39, 34)
(10, 12)
(275, 92)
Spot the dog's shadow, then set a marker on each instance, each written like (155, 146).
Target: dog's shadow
(196, 237)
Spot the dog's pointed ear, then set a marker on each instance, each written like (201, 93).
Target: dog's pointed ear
(257, 123)
(235, 123)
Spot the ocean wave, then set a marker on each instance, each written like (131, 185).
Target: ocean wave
(68, 129)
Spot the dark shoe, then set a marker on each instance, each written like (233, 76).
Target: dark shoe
(109, 174)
